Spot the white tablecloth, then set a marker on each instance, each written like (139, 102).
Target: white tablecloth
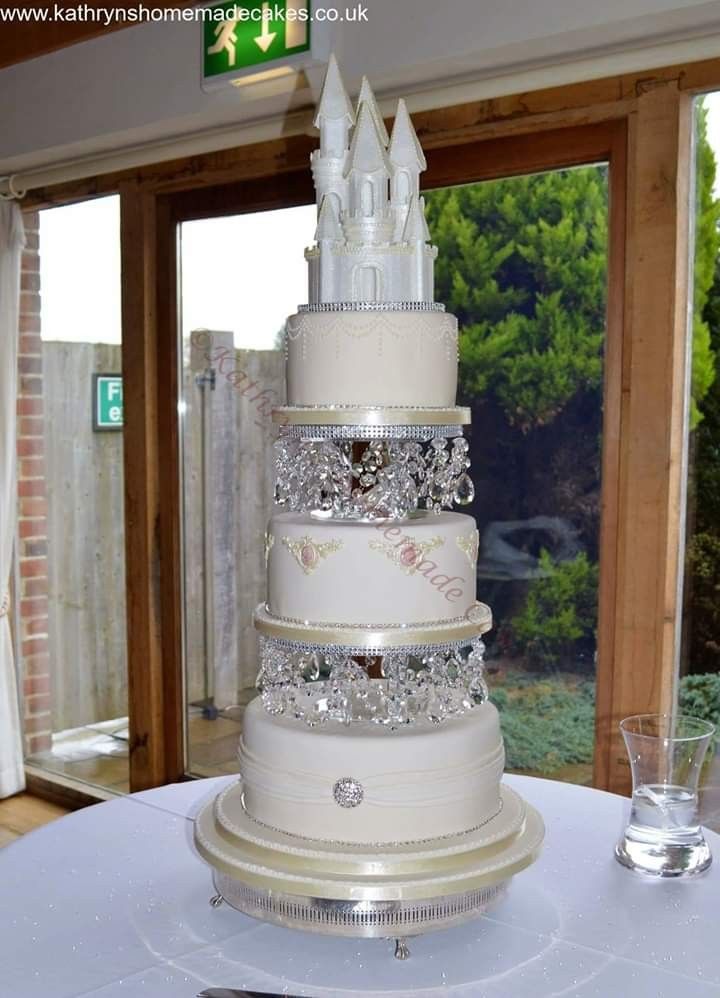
(112, 901)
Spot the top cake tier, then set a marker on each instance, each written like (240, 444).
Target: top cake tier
(372, 242)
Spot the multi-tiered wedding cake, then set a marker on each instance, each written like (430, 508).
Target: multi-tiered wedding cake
(370, 799)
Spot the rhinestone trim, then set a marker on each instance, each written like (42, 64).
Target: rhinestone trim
(373, 306)
(417, 649)
(369, 845)
(310, 431)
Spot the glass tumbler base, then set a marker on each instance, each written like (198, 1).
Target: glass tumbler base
(664, 859)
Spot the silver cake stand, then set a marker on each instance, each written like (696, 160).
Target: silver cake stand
(387, 891)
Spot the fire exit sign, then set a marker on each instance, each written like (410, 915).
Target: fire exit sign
(107, 402)
(253, 36)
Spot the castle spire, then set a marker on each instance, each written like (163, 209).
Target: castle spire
(334, 102)
(405, 149)
(366, 96)
(328, 225)
(367, 152)
(416, 229)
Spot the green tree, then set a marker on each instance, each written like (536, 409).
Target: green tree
(557, 624)
(707, 246)
(522, 262)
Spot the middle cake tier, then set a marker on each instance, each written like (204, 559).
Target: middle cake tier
(417, 570)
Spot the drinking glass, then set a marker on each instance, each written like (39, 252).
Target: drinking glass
(664, 837)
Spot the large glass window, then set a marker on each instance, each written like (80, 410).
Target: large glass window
(523, 264)
(241, 277)
(699, 681)
(70, 564)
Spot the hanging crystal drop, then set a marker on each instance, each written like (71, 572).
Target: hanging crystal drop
(464, 490)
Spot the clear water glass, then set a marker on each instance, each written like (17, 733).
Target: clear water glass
(663, 837)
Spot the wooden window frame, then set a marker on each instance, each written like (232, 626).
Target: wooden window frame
(640, 124)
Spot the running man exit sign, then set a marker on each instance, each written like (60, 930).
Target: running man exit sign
(248, 37)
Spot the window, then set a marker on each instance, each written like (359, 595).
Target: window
(522, 262)
(698, 689)
(242, 276)
(70, 552)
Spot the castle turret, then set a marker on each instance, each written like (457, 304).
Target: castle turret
(417, 236)
(368, 219)
(408, 161)
(328, 235)
(334, 118)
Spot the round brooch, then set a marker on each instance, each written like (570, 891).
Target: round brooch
(348, 792)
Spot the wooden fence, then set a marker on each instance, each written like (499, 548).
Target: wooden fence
(227, 490)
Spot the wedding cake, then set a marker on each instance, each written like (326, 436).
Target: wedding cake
(370, 797)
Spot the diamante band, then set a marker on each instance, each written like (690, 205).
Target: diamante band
(311, 431)
(375, 845)
(373, 306)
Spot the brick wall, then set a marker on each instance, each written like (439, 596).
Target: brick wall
(32, 618)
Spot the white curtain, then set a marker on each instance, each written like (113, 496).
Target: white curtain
(12, 240)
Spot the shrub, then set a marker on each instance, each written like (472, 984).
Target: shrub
(699, 695)
(546, 723)
(557, 624)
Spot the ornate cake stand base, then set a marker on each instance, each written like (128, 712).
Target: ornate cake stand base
(396, 920)
(389, 891)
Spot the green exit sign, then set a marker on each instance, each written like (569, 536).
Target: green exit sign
(255, 35)
(107, 402)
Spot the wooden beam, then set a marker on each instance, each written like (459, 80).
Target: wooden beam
(610, 458)
(653, 434)
(150, 436)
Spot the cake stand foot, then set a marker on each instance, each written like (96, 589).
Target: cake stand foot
(402, 950)
(216, 900)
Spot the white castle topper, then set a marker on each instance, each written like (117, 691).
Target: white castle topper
(372, 241)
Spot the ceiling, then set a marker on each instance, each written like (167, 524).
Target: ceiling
(23, 40)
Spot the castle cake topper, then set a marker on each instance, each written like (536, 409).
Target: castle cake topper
(372, 243)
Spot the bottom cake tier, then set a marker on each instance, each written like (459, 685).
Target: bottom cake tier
(338, 889)
(368, 783)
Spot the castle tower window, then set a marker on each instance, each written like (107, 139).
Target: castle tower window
(367, 201)
(402, 186)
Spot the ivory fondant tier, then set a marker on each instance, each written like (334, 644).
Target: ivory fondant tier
(371, 358)
(365, 783)
(405, 572)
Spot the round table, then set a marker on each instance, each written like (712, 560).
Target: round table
(113, 901)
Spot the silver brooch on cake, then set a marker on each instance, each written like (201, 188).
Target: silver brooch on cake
(308, 553)
(348, 792)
